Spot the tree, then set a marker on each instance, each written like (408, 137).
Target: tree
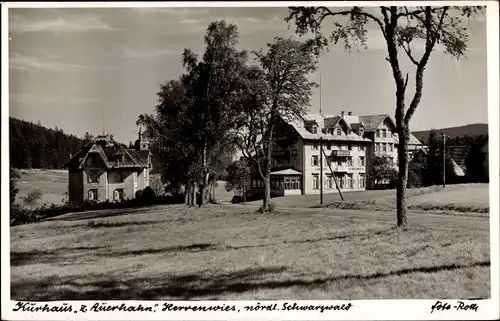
(87, 138)
(277, 88)
(238, 177)
(402, 28)
(416, 169)
(434, 163)
(215, 88)
(194, 125)
(381, 171)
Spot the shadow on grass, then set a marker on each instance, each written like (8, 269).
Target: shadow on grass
(200, 247)
(193, 248)
(93, 224)
(77, 216)
(49, 257)
(191, 286)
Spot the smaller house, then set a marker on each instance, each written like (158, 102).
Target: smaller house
(106, 170)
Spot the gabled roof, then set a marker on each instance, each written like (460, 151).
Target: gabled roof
(288, 171)
(111, 153)
(458, 154)
(323, 121)
(372, 122)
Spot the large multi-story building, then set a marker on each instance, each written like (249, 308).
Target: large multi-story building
(348, 142)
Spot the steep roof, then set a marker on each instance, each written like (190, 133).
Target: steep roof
(112, 154)
(458, 154)
(372, 122)
(324, 121)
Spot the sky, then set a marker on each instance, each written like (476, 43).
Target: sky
(96, 69)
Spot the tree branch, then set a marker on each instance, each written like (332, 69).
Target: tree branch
(431, 39)
(328, 12)
(407, 50)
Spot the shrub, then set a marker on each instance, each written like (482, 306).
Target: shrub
(148, 196)
(33, 197)
(14, 176)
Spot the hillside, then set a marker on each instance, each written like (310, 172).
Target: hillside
(471, 130)
(35, 146)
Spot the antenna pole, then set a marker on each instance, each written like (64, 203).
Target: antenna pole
(320, 109)
(103, 128)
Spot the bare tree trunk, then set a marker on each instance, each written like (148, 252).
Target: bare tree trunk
(186, 194)
(403, 161)
(267, 170)
(193, 194)
(205, 177)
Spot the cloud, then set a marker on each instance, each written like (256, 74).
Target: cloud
(179, 13)
(139, 54)
(26, 63)
(36, 99)
(29, 63)
(58, 23)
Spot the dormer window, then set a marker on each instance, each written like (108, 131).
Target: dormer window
(361, 132)
(315, 129)
(339, 132)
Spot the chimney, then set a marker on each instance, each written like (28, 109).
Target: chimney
(342, 114)
(349, 113)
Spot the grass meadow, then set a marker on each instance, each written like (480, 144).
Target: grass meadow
(230, 252)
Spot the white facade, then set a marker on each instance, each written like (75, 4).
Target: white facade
(348, 142)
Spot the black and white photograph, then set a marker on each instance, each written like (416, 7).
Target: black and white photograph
(250, 152)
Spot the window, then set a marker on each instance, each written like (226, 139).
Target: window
(384, 147)
(287, 183)
(378, 132)
(361, 180)
(339, 131)
(349, 161)
(315, 181)
(93, 195)
(93, 177)
(119, 194)
(329, 181)
(315, 160)
(391, 147)
(349, 147)
(120, 177)
(391, 160)
(384, 132)
(377, 147)
(361, 161)
(361, 132)
(328, 146)
(350, 181)
(314, 146)
(315, 130)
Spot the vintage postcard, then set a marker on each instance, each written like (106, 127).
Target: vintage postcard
(253, 160)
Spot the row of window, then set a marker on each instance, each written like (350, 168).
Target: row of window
(341, 147)
(315, 161)
(345, 182)
(334, 131)
(383, 132)
(280, 183)
(384, 147)
(93, 177)
(118, 194)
